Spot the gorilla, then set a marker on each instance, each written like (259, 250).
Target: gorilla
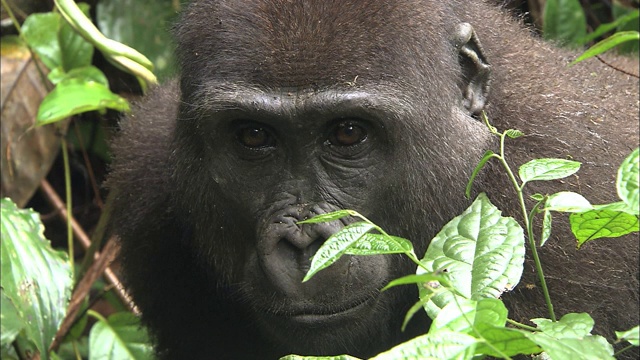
(286, 109)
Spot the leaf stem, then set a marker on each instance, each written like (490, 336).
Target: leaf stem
(529, 226)
(521, 325)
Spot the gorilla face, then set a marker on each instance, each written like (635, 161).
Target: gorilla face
(282, 120)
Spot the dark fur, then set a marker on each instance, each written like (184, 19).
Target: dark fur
(188, 243)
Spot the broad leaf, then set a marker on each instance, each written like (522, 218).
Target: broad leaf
(573, 325)
(587, 348)
(463, 315)
(119, 338)
(35, 278)
(433, 346)
(564, 21)
(75, 96)
(597, 224)
(547, 169)
(40, 31)
(481, 252)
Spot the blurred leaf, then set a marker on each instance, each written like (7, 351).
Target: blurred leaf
(608, 43)
(564, 21)
(629, 22)
(144, 25)
(36, 278)
(632, 335)
(76, 51)
(10, 324)
(85, 73)
(74, 96)
(40, 31)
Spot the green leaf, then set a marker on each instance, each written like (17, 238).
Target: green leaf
(514, 133)
(605, 28)
(564, 21)
(597, 224)
(378, 244)
(74, 96)
(300, 357)
(40, 31)
(617, 206)
(11, 324)
(36, 278)
(586, 348)
(627, 180)
(119, 338)
(547, 169)
(465, 314)
(487, 155)
(85, 74)
(336, 246)
(76, 51)
(612, 41)
(507, 341)
(567, 201)
(329, 217)
(481, 252)
(433, 346)
(423, 280)
(632, 335)
(573, 325)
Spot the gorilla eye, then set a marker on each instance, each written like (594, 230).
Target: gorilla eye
(255, 137)
(347, 134)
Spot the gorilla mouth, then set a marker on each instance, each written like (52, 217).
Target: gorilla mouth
(315, 315)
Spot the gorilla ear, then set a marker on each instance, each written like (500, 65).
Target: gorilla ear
(476, 71)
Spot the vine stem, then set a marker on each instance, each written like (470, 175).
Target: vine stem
(528, 225)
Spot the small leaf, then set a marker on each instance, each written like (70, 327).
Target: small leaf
(537, 197)
(597, 224)
(567, 201)
(433, 346)
(632, 335)
(627, 181)
(74, 96)
(481, 251)
(328, 217)
(378, 244)
(547, 169)
(514, 133)
(119, 338)
(546, 227)
(336, 246)
(420, 280)
(573, 325)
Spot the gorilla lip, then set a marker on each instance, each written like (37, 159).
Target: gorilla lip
(310, 316)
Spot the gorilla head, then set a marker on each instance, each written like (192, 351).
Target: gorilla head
(285, 110)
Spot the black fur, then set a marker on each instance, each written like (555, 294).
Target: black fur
(209, 246)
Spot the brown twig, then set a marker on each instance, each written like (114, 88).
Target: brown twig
(84, 240)
(617, 68)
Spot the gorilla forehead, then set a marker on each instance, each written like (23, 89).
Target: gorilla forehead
(292, 43)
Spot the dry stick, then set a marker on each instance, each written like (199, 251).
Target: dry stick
(82, 289)
(111, 277)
